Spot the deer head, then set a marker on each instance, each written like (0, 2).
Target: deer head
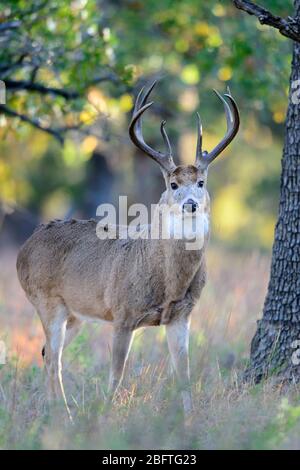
(186, 184)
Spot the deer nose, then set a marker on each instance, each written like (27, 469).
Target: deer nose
(190, 206)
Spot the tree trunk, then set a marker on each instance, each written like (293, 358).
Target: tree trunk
(274, 342)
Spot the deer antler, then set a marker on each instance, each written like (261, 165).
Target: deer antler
(203, 159)
(165, 160)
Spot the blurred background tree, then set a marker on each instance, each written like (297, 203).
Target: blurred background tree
(72, 70)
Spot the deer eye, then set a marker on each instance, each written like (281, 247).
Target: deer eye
(174, 185)
(200, 184)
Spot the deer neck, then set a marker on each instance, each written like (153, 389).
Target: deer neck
(181, 266)
(182, 256)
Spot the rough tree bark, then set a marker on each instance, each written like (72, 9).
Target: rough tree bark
(275, 343)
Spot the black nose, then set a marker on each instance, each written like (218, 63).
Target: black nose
(190, 205)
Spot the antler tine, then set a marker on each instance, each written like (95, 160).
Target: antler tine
(135, 128)
(165, 160)
(137, 103)
(137, 106)
(199, 138)
(233, 123)
(165, 137)
(147, 94)
(140, 102)
(142, 99)
(228, 113)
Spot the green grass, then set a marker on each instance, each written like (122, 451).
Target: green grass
(147, 412)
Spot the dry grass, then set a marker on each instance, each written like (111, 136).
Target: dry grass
(147, 413)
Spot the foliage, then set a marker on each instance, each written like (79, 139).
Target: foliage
(51, 53)
(93, 56)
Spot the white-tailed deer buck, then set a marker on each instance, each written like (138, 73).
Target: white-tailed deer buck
(69, 274)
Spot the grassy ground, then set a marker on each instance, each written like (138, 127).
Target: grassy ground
(147, 413)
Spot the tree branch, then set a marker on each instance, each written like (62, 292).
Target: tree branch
(57, 132)
(289, 27)
(33, 122)
(9, 25)
(44, 90)
(109, 77)
(9, 67)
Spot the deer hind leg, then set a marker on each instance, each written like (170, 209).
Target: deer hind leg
(178, 342)
(122, 339)
(54, 319)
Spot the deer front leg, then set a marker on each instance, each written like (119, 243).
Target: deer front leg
(55, 330)
(178, 343)
(122, 339)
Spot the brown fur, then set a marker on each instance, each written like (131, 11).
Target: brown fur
(114, 280)
(186, 174)
(68, 274)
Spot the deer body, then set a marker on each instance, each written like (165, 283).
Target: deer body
(70, 274)
(129, 282)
